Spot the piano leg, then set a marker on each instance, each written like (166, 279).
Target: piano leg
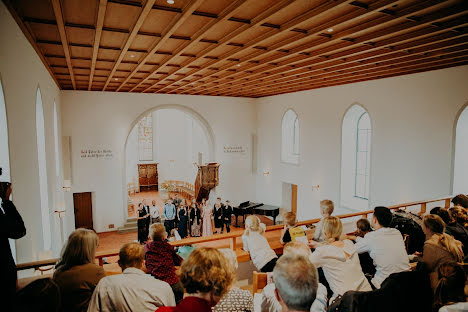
(237, 216)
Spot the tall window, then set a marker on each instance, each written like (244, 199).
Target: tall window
(41, 158)
(460, 170)
(4, 150)
(145, 138)
(361, 175)
(56, 142)
(290, 138)
(355, 159)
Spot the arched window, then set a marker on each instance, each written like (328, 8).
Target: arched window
(4, 149)
(41, 158)
(290, 138)
(460, 170)
(361, 175)
(56, 142)
(355, 158)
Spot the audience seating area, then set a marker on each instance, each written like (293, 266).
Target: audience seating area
(235, 238)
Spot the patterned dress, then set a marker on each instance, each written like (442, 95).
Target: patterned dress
(236, 300)
(207, 226)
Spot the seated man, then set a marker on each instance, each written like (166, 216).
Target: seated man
(269, 303)
(133, 290)
(385, 246)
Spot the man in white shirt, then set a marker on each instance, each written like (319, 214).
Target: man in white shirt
(296, 283)
(154, 212)
(133, 290)
(385, 246)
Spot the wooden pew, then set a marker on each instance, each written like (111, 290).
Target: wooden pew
(260, 280)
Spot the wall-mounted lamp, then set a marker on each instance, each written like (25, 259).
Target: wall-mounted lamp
(266, 172)
(315, 187)
(66, 185)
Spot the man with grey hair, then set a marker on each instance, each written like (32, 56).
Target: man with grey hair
(296, 283)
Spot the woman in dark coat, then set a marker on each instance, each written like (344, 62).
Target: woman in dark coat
(183, 220)
(142, 224)
(194, 220)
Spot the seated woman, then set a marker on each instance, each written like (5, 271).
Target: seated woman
(206, 276)
(460, 215)
(449, 293)
(236, 299)
(263, 257)
(452, 227)
(161, 259)
(75, 272)
(439, 246)
(339, 260)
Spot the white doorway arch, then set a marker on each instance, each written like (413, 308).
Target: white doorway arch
(198, 118)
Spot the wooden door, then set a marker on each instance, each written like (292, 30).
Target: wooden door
(83, 207)
(294, 198)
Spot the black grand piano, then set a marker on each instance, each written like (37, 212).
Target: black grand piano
(248, 207)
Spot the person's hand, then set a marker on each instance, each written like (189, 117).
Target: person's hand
(351, 237)
(314, 244)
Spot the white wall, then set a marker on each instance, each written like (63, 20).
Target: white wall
(460, 172)
(103, 120)
(22, 72)
(412, 116)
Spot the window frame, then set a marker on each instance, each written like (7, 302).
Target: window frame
(367, 158)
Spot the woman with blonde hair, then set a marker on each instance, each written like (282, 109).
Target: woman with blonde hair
(206, 276)
(236, 299)
(339, 260)
(263, 257)
(76, 273)
(439, 247)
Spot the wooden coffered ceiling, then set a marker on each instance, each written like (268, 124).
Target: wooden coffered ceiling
(250, 48)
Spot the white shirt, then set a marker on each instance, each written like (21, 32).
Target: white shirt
(318, 234)
(341, 267)
(456, 307)
(154, 212)
(387, 249)
(133, 290)
(269, 303)
(259, 249)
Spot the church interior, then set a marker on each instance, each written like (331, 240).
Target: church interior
(271, 105)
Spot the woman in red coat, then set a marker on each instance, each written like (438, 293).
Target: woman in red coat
(161, 259)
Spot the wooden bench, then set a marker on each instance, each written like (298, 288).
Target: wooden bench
(260, 280)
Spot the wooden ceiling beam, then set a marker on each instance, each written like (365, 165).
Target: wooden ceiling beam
(376, 74)
(340, 65)
(363, 73)
(32, 40)
(97, 38)
(318, 30)
(223, 16)
(146, 9)
(63, 37)
(338, 40)
(349, 70)
(359, 47)
(257, 21)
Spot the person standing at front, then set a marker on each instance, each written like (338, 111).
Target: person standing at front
(169, 216)
(227, 213)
